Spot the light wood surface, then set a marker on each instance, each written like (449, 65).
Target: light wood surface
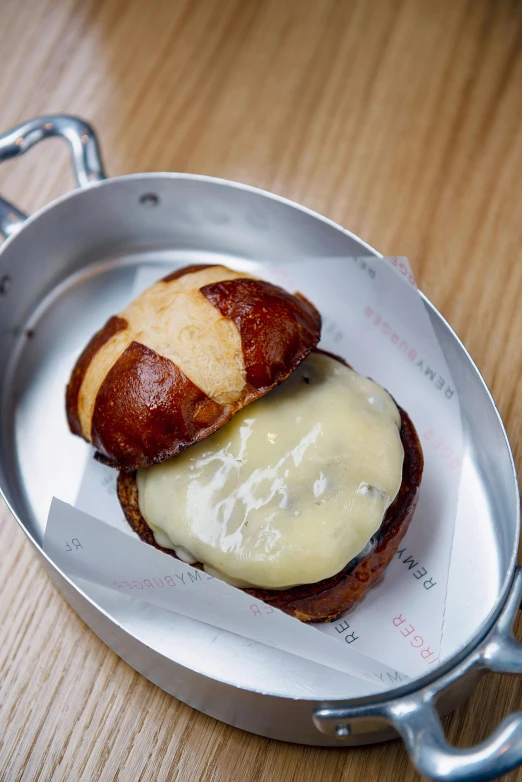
(400, 119)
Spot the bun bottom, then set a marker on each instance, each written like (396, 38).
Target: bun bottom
(325, 600)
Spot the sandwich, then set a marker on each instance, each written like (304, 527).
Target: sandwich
(243, 449)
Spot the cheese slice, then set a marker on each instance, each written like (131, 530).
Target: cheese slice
(291, 489)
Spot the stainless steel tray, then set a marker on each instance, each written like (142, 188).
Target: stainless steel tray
(65, 269)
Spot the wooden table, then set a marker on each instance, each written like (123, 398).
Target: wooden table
(400, 119)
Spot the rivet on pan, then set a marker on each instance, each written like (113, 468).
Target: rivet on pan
(5, 282)
(149, 199)
(342, 731)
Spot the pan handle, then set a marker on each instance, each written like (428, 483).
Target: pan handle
(86, 155)
(415, 716)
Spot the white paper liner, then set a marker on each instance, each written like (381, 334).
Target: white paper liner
(373, 317)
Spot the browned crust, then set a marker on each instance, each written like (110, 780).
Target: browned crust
(277, 330)
(186, 270)
(325, 600)
(140, 415)
(144, 405)
(111, 328)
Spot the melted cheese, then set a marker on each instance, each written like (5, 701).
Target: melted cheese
(291, 489)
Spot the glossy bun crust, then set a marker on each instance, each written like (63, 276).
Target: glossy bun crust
(187, 354)
(325, 600)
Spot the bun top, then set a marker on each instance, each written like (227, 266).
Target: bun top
(187, 354)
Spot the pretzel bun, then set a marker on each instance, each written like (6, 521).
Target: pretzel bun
(187, 354)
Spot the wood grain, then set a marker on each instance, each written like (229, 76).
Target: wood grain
(401, 119)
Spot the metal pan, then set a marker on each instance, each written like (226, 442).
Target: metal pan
(62, 271)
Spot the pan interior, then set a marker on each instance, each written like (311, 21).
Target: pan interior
(39, 459)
